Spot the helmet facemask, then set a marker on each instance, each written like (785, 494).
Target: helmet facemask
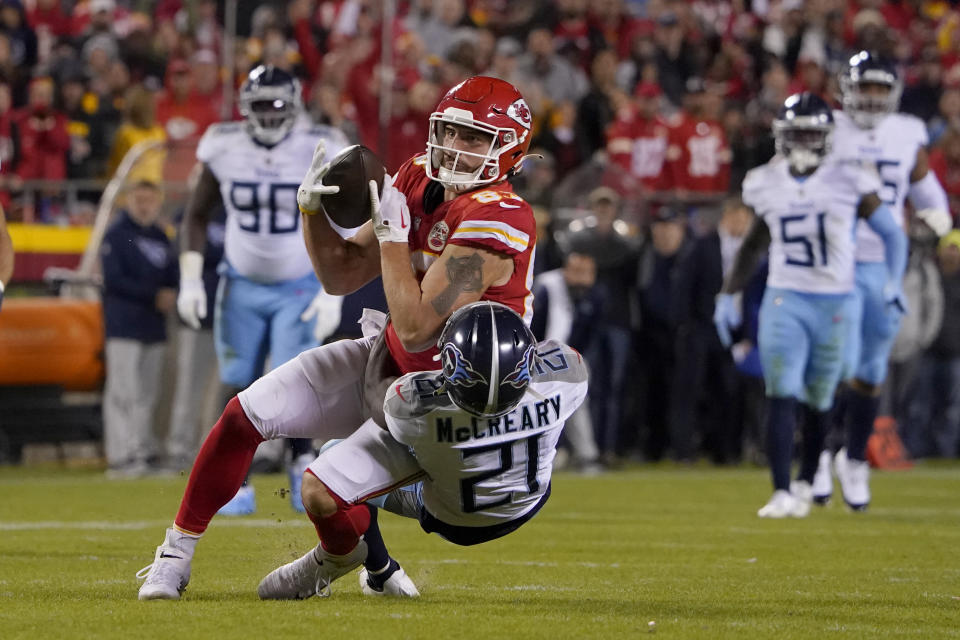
(270, 113)
(460, 170)
(870, 96)
(804, 142)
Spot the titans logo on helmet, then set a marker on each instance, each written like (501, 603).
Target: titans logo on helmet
(519, 378)
(457, 369)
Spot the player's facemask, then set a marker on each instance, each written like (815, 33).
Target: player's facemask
(460, 170)
(871, 99)
(269, 118)
(804, 146)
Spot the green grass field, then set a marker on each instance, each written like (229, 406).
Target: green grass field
(609, 554)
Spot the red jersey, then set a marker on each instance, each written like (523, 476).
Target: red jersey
(698, 156)
(492, 218)
(640, 147)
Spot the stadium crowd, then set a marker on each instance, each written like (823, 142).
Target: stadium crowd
(647, 115)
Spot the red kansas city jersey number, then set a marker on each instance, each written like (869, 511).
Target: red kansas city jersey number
(495, 219)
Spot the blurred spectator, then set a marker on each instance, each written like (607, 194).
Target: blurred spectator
(704, 379)
(945, 162)
(603, 239)
(504, 62)
(560, 138)
(674, 61)
(933, 424)
(654, 343)
(409, 126)
(541, 68)
(568, 305)
(139, 289)
(698, 156)
(596, 110)
(14, 76)
(43, 138)
(922, 93)
(919, 328)
(88, 133)
(574, 35)
(325, 107)
(139, 125)
(948, 114)
(183, 114)
(23, 41)
(438, 27)
(638, 137)
(9, 147)
(537, 179)
(550, 255)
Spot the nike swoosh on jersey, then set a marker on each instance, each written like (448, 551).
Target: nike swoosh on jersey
(167, 555)
(509, 206)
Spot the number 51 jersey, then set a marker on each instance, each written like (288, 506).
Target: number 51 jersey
(481, 471)
(258, 185)
(812, 222)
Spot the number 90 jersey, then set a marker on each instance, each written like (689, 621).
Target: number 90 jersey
(892, 148)
(811, 222)
(482, 471)
(258, 185)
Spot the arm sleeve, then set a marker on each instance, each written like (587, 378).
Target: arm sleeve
(894, 241)
(927, 193)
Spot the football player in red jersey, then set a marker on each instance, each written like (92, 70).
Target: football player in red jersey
(446, 231)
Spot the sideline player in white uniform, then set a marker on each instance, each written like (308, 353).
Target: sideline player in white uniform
(268, 293)
(482, 434)
(807, 204)
(869, 130)
(446, 231)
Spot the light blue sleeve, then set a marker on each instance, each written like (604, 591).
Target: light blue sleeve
(894, 241)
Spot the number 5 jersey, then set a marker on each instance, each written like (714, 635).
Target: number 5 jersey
(484, 471)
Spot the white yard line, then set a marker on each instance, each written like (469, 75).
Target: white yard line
(139, 525)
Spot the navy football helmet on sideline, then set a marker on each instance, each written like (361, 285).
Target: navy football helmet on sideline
(870, 89)
(270, 102)
(487, 352)
(802, 131)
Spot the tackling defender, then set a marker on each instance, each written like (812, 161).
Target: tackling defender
(482, 433)
(869, 130)
(807, 203)
(447, 231)
(268, 293)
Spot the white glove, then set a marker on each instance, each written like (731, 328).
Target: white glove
(312, 187)
(937, 219)
(390, 214)
(326, 309)
(192, 299)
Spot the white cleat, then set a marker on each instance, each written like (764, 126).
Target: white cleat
(398, 585)
(854, 478)
(167, 577)
(310, 575)
(822, 480)
(802, 491)
(784, 504)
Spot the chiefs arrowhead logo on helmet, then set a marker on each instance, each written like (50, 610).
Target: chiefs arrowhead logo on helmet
(519, 112)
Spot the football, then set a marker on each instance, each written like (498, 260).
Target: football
(352, 170)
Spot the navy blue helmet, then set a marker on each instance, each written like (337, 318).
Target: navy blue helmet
(802, 131)
(487, 354)
(870, 88)
(270, 102)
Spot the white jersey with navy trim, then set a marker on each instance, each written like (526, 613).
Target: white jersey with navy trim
(258, 184)
(482, 471)
(811, 221)
(892, 147)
